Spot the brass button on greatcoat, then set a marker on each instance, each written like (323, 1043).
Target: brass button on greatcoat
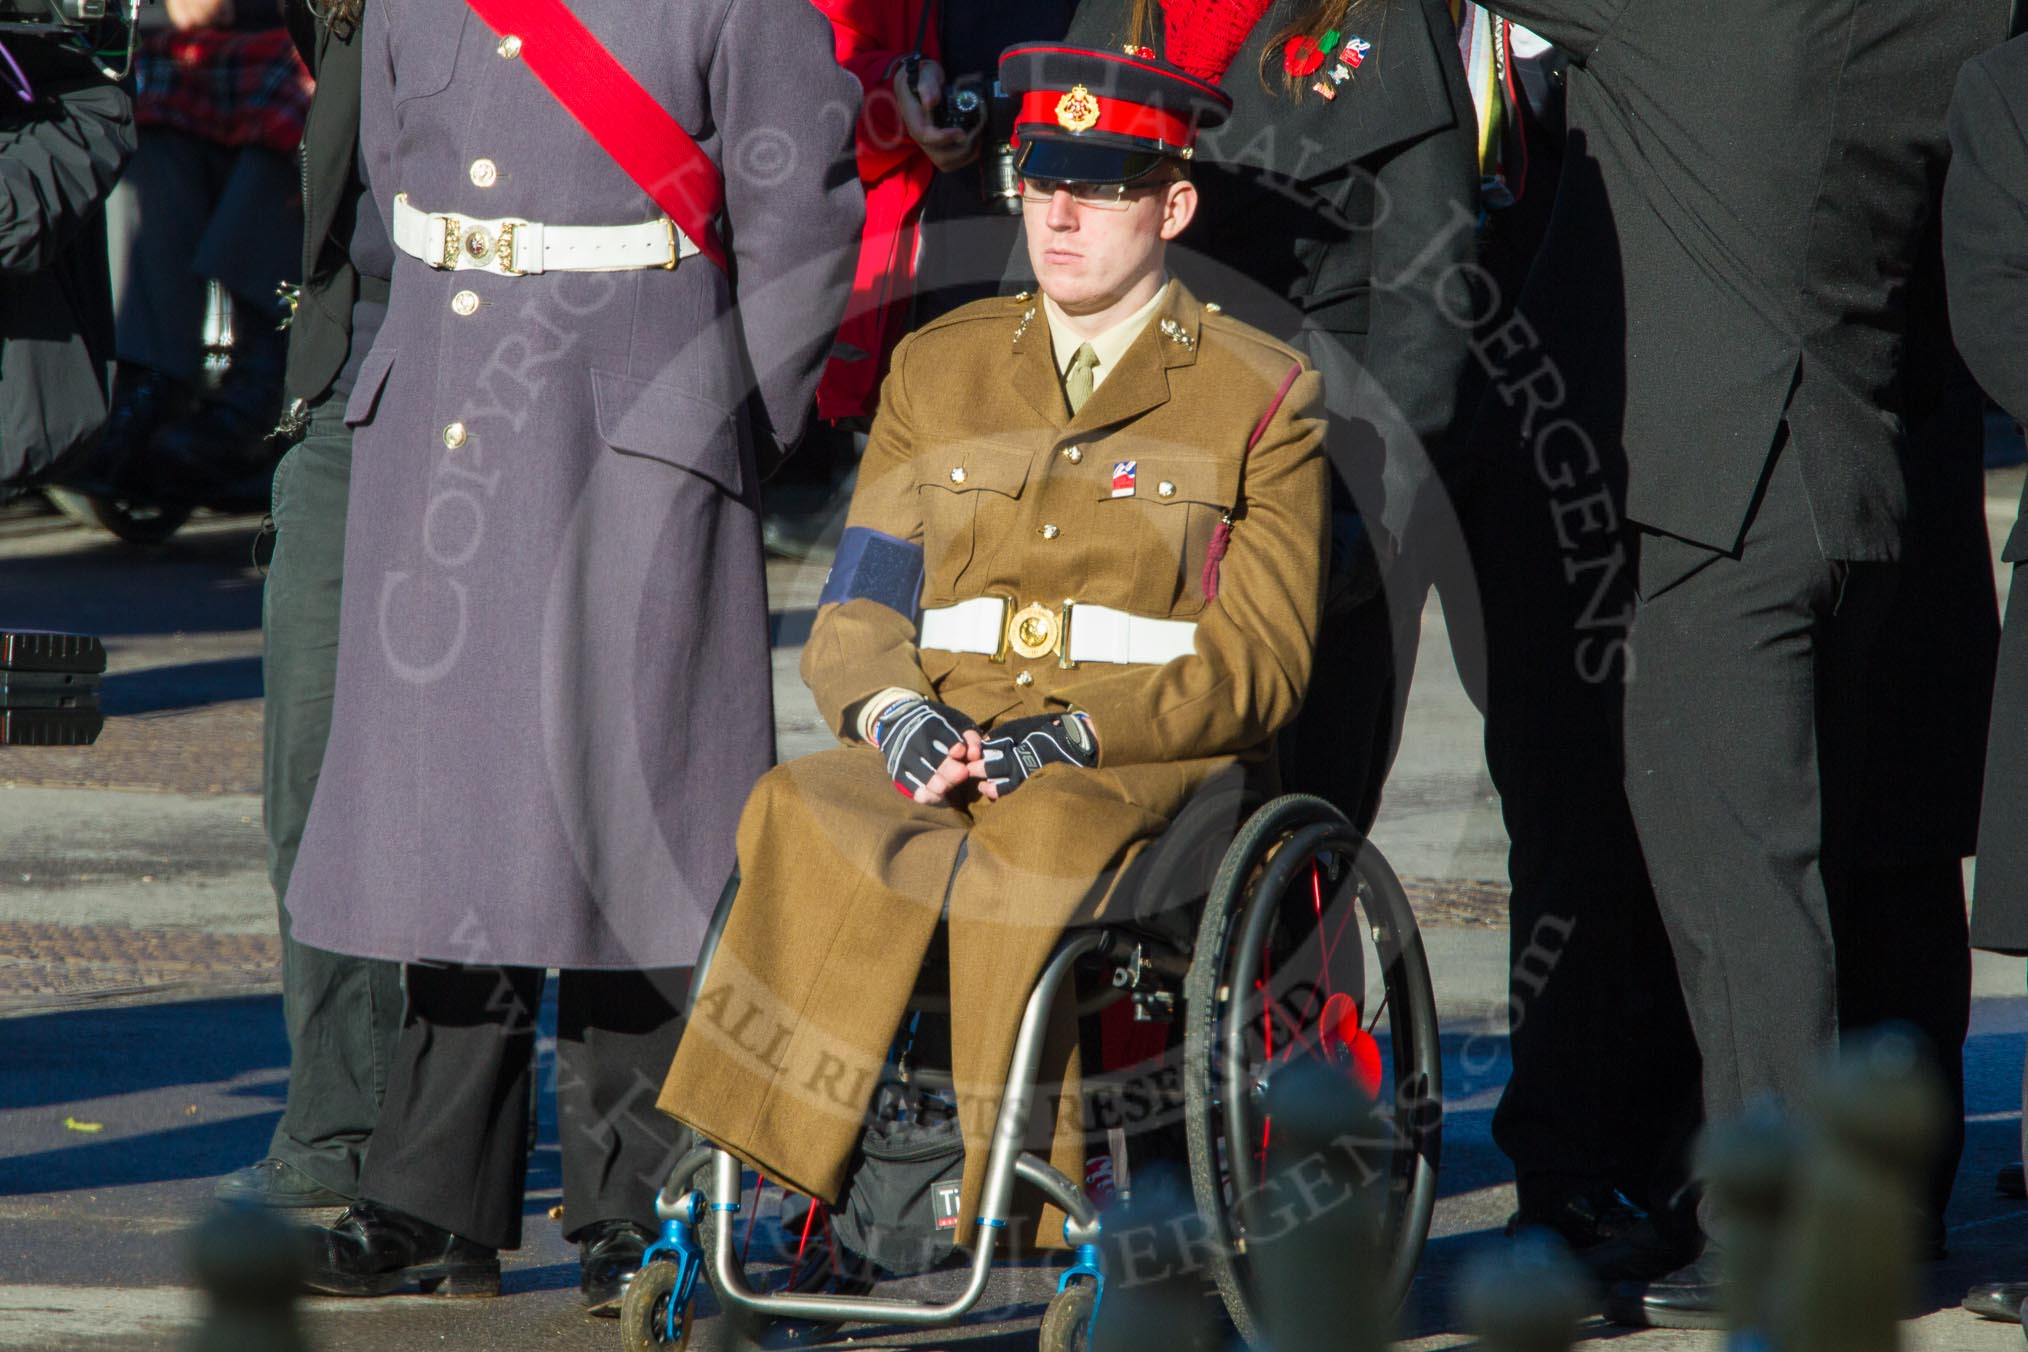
(1024, 680)
(1050, 532)
(958, 475)
(1165, 489)
(465, 302)
(485, 173)
(510, 47)
(1074, 454)
(454, 435)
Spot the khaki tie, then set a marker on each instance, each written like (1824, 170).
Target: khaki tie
(1077, 381)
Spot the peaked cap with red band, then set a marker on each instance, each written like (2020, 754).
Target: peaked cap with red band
(1103, 117)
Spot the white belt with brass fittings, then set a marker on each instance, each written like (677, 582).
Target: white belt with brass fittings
(1072, 632)
(510, 247)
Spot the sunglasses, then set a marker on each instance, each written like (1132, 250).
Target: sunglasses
(1099, 196)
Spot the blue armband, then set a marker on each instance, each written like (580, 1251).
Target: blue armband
(875, 566)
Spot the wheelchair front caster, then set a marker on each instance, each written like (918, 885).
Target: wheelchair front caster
(644, 1315)
(1066, 1324)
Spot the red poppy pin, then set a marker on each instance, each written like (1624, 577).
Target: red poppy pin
(1144, 53)
(1302, 56)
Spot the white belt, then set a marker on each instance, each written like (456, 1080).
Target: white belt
(510, 247)
(1073, 632)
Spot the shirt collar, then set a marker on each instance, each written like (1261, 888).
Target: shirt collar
(1109, 346)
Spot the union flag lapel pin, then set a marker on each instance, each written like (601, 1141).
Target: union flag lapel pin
(1123, 478)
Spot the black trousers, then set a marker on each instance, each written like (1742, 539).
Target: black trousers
(1604, 1088)
(343, 1013)
(186, 210)
(1744, 763)
(451, 1146)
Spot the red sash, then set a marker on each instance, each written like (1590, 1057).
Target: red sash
(616, 112)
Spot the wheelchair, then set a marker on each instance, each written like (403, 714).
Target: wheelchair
(1272, 959)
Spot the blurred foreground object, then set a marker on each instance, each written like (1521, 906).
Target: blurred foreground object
(49, 688)
(1317, 1225)
(1853, 1233)
(1749, 1165)
(250, 1268)
(1527, 1298)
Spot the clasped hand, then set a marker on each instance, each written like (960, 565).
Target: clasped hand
(938, 757)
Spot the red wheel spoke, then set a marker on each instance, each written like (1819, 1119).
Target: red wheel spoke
(1317, 906)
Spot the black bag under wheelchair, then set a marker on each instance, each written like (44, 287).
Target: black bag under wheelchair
(1248, 937)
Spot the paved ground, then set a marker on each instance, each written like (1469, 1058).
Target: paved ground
(141, 1053)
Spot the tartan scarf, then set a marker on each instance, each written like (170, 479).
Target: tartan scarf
(229, 86)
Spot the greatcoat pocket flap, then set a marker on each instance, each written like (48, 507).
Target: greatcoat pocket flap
(365, 395)
(642, 417)
(1212, 483)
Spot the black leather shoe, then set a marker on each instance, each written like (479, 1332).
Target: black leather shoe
(271, 1182)
(1997, 1300)
(1582, 1220)
(1644, 1251)
(143, 400)
(222, 445)
(608, 1256)
(1688, 1298)
(376, 1251)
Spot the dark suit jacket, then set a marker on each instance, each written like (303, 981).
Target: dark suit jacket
(1986, 265)
(1332, 223)
(1746, 188)
(59, 157)
(320, 336)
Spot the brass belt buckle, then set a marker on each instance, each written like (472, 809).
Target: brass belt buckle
(1037, 631)
(1031, 631)
(454, 230)
(503, 250)
(670, 226)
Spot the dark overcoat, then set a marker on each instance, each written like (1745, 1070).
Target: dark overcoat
(1761, 172)
(553, 665)
(1986, 264)
(59, 157)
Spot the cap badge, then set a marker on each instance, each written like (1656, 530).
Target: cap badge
(1077, 110)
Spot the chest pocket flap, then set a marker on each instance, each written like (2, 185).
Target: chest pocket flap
(1208, 483)
(973, 469)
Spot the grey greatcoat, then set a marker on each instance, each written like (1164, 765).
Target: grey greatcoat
(553, 677)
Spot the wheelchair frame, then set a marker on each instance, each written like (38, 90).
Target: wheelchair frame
(661, 1297)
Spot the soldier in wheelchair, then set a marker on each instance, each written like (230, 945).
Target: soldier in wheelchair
(1076, 598)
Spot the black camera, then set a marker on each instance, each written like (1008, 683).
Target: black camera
(999, 180)
(51, 13)
(961, 107)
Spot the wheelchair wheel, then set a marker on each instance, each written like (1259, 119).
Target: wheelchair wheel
(644, 1314)
(1303, 915)
(713, 932)
(1066, 1323)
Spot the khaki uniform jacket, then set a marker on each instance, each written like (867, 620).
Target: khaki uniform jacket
(976, 456)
